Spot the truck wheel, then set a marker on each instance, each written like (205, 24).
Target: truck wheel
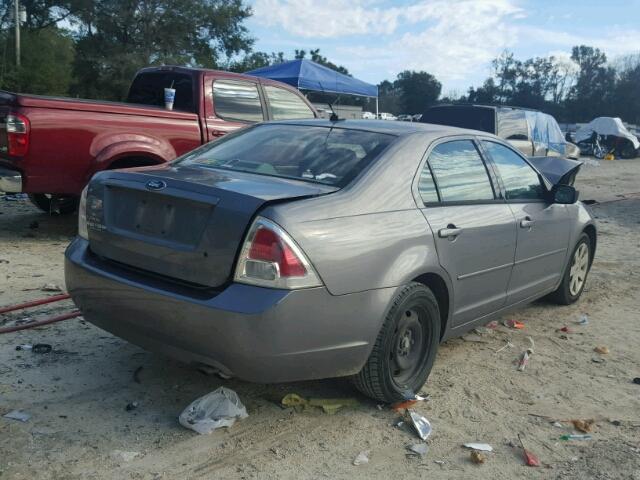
(628, 150)
(575, 277)
(60, 204)
(405, 349)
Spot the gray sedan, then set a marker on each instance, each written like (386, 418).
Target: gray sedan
(312, 249)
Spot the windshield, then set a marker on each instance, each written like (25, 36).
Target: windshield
(329, 155)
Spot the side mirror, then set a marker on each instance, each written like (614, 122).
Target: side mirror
(564, 194)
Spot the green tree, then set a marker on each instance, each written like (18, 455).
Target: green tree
(47, 59)
(418, 90)
(117, 37)
(315, 56)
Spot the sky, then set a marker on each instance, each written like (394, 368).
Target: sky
(455, 40)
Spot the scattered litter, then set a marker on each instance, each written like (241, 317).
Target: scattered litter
(558, 425)
(575, 437)
(120, 455)
(602, 350)
(483, 331)
(131, 406)
(598, 360)
(584, 320)
(217, 409)
(636, 380)
(482, 447)
(328, 405)
(50, 287)
(477, 457)
(439, 462)
(532, 345)
(41, 348)
(524, 360)
(507, 345)
(420, 424)
(18, 415)
(513, 324)
(24, 346)
(584, 426)
(417, 449)
(492, 325)
(362, 458)
(565, 330)
(401, 406)
(136, 374)
(530, 458)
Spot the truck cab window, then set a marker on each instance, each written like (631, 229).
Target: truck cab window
(237, 100)
(148, 89)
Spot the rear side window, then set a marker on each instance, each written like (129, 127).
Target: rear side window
(460, 172)
(521, 182)
(233, 100)
(328, 155)
(286, 105)
(426, 186)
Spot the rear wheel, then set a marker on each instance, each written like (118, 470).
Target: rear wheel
(405, 349)
(575, 277)
(60, 204)
(628, 150)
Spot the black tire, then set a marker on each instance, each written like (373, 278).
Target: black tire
(414, 316)
(60, 204)
(565, 295)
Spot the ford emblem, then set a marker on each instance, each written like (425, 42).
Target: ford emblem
(156, 185)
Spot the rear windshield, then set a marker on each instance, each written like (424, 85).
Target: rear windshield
(329, 155)
(148, 89)
(475, 118)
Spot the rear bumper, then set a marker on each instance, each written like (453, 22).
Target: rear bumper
(10, 181)
(257, 334)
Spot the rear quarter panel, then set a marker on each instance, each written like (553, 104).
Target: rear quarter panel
(371, 234)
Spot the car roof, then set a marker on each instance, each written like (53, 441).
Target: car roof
(488, 106)
(383, 126)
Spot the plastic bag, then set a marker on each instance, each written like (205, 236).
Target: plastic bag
(217, 409)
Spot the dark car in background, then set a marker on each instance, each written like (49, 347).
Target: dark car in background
(534, 133)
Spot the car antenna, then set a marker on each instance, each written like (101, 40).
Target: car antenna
(334, 116)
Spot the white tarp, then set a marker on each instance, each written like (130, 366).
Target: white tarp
(606, 126)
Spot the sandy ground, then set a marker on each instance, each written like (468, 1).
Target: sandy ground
(76, 395)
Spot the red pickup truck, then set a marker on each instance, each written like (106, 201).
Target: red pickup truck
(50, 147)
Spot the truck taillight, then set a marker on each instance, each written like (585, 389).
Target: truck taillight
(270, 258)
(17, 135)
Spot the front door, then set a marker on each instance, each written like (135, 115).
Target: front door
(543, 227)
(475, 231)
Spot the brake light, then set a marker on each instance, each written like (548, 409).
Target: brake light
(270, 258)
(17, 135)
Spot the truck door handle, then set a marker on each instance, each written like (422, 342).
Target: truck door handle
(526, 222)
(450, 232)
(217, 133)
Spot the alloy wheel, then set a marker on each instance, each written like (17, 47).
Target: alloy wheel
(579, 268)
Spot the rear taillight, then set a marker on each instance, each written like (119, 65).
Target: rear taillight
(270, 258)
(17, 135)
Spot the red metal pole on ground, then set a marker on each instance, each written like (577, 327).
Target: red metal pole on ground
(35, 303)
(47, 321)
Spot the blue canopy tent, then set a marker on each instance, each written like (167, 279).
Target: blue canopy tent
(307, 75)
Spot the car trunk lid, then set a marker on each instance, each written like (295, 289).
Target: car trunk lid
(186, 223)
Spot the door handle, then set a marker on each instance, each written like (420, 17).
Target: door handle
(450, 232)
(217, 133)
(526, 222)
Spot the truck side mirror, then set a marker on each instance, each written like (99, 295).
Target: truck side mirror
(565, 194)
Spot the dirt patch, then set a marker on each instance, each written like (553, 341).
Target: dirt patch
(77, 394)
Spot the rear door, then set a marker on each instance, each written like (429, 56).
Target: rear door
(231, 104)
(543, 227)
(474, 229)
